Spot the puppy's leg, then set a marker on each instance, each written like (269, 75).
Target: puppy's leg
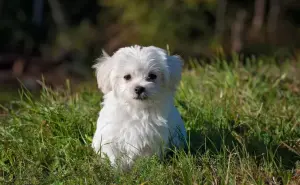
(108, 150)
(104, 148)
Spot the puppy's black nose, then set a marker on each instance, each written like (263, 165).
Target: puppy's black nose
(139, 90)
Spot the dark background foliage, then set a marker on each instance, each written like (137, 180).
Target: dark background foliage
(62, 38)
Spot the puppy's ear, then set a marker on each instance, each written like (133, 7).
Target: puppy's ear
(175, 64)
(103, 69)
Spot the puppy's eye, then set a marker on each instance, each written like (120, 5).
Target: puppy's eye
(127, 77)
(151, 77)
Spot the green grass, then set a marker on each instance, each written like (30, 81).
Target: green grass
(243, 124)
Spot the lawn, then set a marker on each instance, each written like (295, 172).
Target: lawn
(243, 123)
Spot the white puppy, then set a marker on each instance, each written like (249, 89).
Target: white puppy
(138, 117)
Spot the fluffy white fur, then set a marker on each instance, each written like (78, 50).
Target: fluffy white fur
(131, 125)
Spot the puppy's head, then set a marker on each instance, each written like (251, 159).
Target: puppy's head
(138, 73)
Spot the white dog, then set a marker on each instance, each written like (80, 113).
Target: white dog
(138, 117)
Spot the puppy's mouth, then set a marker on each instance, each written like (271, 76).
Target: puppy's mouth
(141, 97)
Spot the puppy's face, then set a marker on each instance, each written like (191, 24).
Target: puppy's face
(139, 78)
(138, 74)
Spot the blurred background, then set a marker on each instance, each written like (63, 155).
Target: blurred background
(59, 39)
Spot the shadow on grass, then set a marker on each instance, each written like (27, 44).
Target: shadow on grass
(217, 140)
